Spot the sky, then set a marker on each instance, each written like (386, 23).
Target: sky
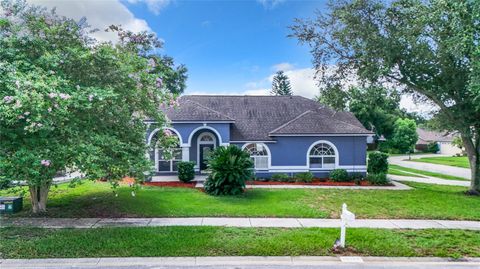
(229, 47)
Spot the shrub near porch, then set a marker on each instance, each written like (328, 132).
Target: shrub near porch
(95, 199)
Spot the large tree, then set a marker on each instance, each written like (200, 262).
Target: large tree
(69, 102)
(376, 107)
(281, 84)
(429, 48)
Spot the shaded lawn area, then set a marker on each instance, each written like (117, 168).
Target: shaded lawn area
(452, 161)
(402, 169)
(95, 199)
(223, 241)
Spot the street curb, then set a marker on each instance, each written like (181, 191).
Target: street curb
(234, 260)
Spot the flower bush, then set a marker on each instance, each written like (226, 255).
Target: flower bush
(230, 167)
(69, 101)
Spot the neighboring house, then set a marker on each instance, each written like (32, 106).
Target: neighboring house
(283, 134)
(443, 139)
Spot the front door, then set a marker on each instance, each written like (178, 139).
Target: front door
(204, 154)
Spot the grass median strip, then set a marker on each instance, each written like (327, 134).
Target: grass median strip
(422, 172)
(424, 201)
(451, 161)
(222, 241)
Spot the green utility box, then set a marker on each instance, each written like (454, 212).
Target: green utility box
(9, 205)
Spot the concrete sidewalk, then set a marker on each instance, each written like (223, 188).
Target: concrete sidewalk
(86, 223)
(245, 262)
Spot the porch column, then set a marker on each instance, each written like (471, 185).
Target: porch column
(185, 154)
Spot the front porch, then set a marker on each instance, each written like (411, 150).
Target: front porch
(194, 147)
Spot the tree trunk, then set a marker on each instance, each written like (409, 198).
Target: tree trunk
(472, 148)
(39, 196)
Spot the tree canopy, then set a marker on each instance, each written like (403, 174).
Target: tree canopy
(68, 102)
(405, 135)
(281, 84)
(427, 48)
(376, 107)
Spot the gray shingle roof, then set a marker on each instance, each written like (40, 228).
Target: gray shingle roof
(426, 136)
(258, 118)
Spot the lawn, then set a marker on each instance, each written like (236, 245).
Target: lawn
(397, 169)
(95, 199)
(452, 161)
(222, 241)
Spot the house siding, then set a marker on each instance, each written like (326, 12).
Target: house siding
(289, 154)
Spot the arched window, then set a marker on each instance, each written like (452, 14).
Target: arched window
(206, 137)
(166, 161)
(259, 154)
(322, 155)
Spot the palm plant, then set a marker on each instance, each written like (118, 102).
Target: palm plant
(230, 167)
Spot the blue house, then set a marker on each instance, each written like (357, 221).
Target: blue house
(283, 134)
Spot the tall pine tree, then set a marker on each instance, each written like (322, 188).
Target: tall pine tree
(281, 84)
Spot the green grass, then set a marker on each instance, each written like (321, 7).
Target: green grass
(398, 172)
(222, 241)
(451, 161)
(422, 172)
(95, 199)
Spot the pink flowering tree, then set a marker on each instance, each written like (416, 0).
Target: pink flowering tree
(68, 102)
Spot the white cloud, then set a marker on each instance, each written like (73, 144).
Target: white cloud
(99, 14)
(283, 67)
(270, 4)
(155, 6)
(301, 80)
(303, 84)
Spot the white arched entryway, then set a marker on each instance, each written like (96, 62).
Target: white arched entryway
(206, 143)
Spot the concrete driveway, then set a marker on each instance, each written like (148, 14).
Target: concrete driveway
(438, 168)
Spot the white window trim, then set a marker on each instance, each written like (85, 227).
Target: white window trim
(337, 155)
(157, 159)
(213, 142)
(269, 163)
(192, 133)
(152, 134)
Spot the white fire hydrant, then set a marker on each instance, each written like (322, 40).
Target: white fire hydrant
(346, 218)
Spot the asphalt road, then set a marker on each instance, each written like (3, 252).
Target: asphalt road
(326, 265)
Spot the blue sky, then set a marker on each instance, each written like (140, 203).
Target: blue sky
(229, 46)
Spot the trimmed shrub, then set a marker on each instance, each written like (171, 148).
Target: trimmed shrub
(230, 167)
(281, 177)
(378, 178)
(377, 162)
(186, 172)
(356, 176)
(339, 175)
(304, 177)
(433, 147)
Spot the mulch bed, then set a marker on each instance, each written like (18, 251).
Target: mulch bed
(171, 184)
